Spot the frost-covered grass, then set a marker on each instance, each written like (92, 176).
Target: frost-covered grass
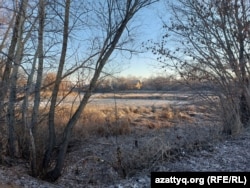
(118, 141)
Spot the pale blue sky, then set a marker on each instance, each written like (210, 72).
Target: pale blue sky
(150, 27)
(146, 25)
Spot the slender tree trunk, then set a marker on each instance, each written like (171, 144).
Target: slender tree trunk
(13, 81)
(26, 122)
(11, 121)
(244, 82)
(40, 54)
(104, 56)
(4, 85)
(244, 106)
(37, 97)
(28, 91)
(56, 172)
(6, 35)
(52, 134)
(115, 29)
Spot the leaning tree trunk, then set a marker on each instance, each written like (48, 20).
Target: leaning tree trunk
(104, 56)
(56, 172)
(115, 29)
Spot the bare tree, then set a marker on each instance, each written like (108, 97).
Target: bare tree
(52, 134)
(17, 59)
(4, 85)
(210, 44)
(42, 31)
(115, 16)
(40, 55)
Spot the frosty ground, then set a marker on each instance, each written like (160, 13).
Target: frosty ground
(162, 137)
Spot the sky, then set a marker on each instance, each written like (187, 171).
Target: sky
(150, 28)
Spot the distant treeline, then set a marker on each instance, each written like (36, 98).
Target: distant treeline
(154, 83)
(159, 83)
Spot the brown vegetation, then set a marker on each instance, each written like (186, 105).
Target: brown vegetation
(105, 136)
(211, 50)
(43, 121)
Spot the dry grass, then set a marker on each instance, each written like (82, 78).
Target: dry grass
(129, 161)
(165, 144)
(47, 94)
(109, 121)
(100, 121)
(135, 153)
(164, 133)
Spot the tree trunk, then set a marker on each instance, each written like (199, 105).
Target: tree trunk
(13, 81)
(241, 39)
(37, 97)
(4, 85)
(56, 172)
(25, 121)
(115, 29)
(52, 134)
(104, 56)
(244, 108)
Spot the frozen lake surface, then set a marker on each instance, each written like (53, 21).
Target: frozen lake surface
(135, 102)
(130, 99)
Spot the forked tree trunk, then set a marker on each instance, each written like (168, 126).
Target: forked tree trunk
(115, 29)
(56, 172)
(104, 56)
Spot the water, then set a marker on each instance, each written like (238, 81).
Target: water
(144, 101)
(135, 102)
